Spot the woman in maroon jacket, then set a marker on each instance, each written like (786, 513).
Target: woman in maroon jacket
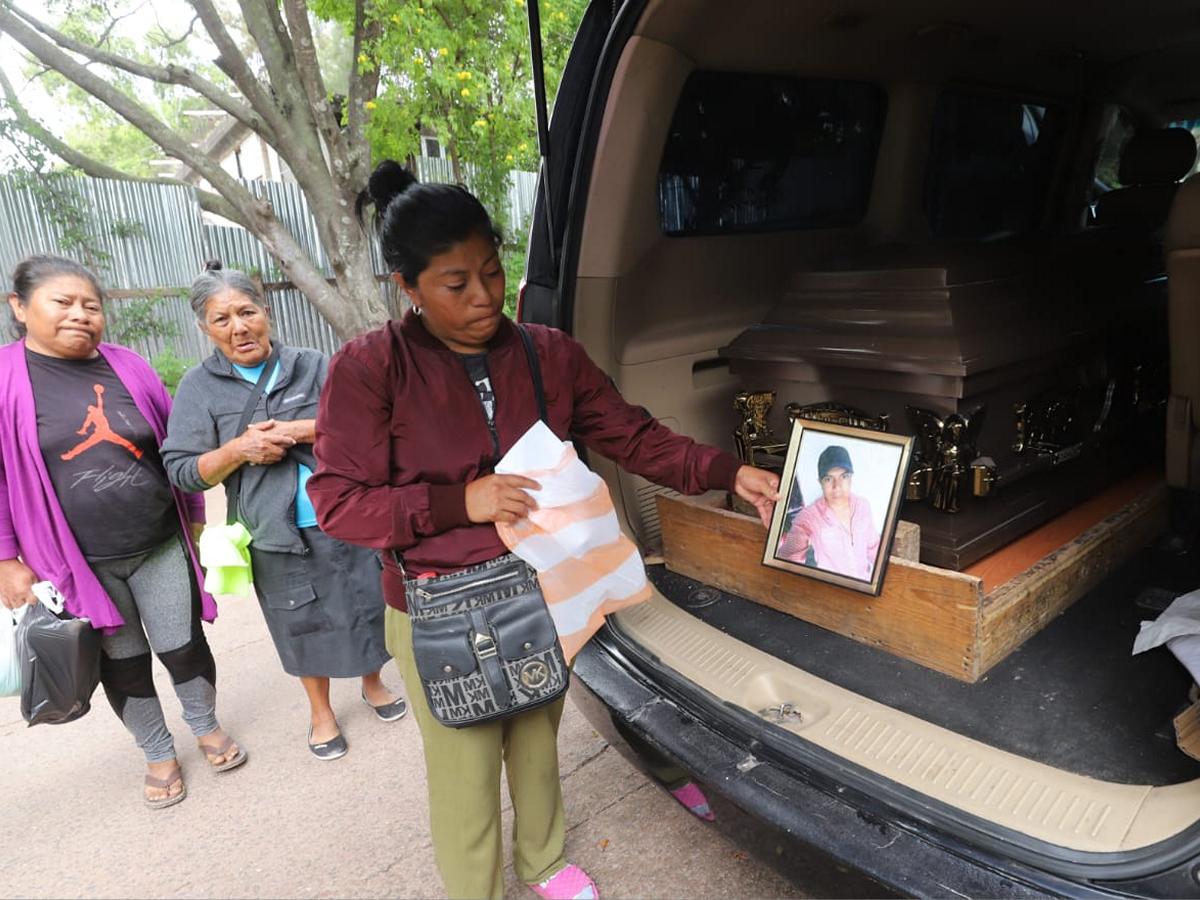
(412, 420)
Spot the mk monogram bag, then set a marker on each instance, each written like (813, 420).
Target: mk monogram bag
(483, 640)
(484, 643)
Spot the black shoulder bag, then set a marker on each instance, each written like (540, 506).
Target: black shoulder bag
(484, 643)
(233, 484)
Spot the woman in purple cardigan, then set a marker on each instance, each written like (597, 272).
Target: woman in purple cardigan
(85, 504)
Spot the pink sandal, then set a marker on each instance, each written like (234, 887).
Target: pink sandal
(568, 883)
(694, 801)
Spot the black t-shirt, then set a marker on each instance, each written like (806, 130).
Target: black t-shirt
(477, 369)
(102, 456)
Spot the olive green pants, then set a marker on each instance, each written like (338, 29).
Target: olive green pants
(462, 766)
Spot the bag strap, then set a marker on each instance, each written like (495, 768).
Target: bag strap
(535, 369)
(233, 484)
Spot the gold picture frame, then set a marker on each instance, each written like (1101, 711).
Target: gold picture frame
(855, 479)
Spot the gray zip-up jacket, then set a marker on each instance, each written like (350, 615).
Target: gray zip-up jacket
(204, 416)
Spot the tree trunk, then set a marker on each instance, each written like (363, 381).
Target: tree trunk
(289, 110)
(357, 278)
(353, 305)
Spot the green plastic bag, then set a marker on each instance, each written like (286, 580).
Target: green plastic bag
(225, 555)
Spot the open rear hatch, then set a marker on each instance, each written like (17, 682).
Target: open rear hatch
(1061, 753)
(1061, 756)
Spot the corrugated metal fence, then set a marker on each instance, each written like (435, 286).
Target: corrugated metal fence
(152, 237)
(150, 232)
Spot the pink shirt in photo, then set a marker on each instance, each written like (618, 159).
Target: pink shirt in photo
(844, 551)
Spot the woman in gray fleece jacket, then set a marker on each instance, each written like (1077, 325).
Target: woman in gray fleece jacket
(321, 598)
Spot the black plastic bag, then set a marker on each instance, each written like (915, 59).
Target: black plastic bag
(60, 666)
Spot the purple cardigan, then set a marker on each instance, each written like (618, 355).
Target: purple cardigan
(32, 523)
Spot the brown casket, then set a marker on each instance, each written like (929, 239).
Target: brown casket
(1031, 376)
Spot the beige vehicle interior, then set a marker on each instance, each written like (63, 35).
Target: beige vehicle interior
(1183, 284)
(654, 309)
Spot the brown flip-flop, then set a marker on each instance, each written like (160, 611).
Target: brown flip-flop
(176, 775)
(211, 753)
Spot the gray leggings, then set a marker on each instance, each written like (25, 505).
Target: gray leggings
(156, 595)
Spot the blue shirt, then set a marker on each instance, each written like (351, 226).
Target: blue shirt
(306, 516)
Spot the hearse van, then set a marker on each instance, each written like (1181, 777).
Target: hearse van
(902, 213)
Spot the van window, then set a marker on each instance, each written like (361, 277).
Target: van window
(1192, 125)
(1112, 146)
(1117, 129)
(768, 153)
(991, 160)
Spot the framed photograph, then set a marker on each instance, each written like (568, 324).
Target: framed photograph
(840, 498)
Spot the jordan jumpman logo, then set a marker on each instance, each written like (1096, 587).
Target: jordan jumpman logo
(101, 430)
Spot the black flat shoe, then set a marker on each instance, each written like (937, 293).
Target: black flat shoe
(334, 748)
(388, 712)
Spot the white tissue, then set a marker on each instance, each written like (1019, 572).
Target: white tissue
(1179, 619)
(1178, 626)
(538, 448)
(538, 451)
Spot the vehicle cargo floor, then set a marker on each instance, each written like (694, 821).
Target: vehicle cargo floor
(1072, 696)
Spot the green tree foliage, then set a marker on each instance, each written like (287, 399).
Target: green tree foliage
(136, 320)
(171, 368)
(256, 64)
(97, 130)
(328, 99)
(132, 322)
(104, 136)
(460, 70)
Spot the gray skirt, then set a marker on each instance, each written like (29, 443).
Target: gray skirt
(325, 609)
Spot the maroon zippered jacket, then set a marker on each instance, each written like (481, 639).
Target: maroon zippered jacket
(401, 431)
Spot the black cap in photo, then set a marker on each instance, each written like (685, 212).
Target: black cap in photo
(834, 456)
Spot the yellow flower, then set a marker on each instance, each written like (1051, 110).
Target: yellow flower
(561, 16)
(521, 146)
(362, 59)
(442, 51)
(395, 20)
(465, 92)
(480, 123)
(463, 76)
(508, 158)
(370, 104)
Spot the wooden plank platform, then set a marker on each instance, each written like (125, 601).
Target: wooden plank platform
(939, 618)
(1009, 562)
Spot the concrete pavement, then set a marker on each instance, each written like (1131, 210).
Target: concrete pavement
(288, 825)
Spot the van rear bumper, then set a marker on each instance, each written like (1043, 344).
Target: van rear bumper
(805, 808)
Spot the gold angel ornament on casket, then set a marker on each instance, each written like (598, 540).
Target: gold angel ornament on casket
(945, 452)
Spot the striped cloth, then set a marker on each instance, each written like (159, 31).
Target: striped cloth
(587, 568)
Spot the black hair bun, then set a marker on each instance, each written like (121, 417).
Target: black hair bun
(388, 181)
(213, 265)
